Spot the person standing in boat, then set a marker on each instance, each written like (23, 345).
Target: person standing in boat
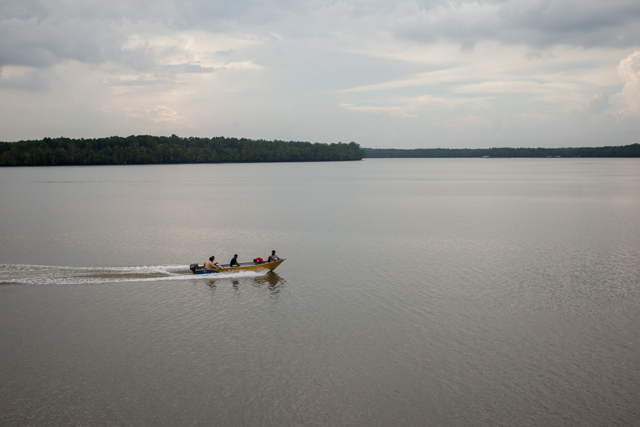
(210, 264)
(234, 261)
(273, 257)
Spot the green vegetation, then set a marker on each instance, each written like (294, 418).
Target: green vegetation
(144, 149)
(632, 150)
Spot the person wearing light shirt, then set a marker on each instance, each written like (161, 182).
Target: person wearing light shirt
(273, 257)
(210, 265)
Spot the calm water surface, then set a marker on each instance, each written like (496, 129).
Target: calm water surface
(436, 292)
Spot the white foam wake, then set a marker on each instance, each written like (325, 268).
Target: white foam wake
(24, 274)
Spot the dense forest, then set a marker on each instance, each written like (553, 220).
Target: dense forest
(145, 149)
(619, 151)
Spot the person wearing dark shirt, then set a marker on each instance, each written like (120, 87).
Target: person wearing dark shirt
(234, 261)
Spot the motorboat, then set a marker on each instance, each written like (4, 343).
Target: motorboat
(242, 266)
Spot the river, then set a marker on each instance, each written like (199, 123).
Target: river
(457, 292)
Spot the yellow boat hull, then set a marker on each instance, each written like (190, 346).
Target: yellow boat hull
(251, 266)
(243, 266)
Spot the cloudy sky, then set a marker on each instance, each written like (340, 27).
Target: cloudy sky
(392, 73)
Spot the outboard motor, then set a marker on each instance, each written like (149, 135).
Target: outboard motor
(193, 268)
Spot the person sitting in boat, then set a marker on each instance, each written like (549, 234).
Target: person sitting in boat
(273, 257)
(234, 261)
(210, 264)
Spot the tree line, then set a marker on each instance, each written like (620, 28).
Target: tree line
(146, 149)
(632, 150)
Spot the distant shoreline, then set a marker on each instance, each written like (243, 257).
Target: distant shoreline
(632, 150)
(147, 149)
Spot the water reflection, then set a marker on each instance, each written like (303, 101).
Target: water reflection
(212, 285)
(274, 283)
(272, 278)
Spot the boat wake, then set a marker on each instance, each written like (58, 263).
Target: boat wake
(23, 274)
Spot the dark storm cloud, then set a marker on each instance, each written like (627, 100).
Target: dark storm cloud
(217, 15)
(40, 44)
(39, 33)
(25, 9)
(536, 23)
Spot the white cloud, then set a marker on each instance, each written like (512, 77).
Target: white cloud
(628, 100)
(466, 73)
(158, 114)
(396, 111)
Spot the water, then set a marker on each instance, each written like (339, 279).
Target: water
(463, 292)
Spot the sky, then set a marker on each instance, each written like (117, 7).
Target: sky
(385, 74)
